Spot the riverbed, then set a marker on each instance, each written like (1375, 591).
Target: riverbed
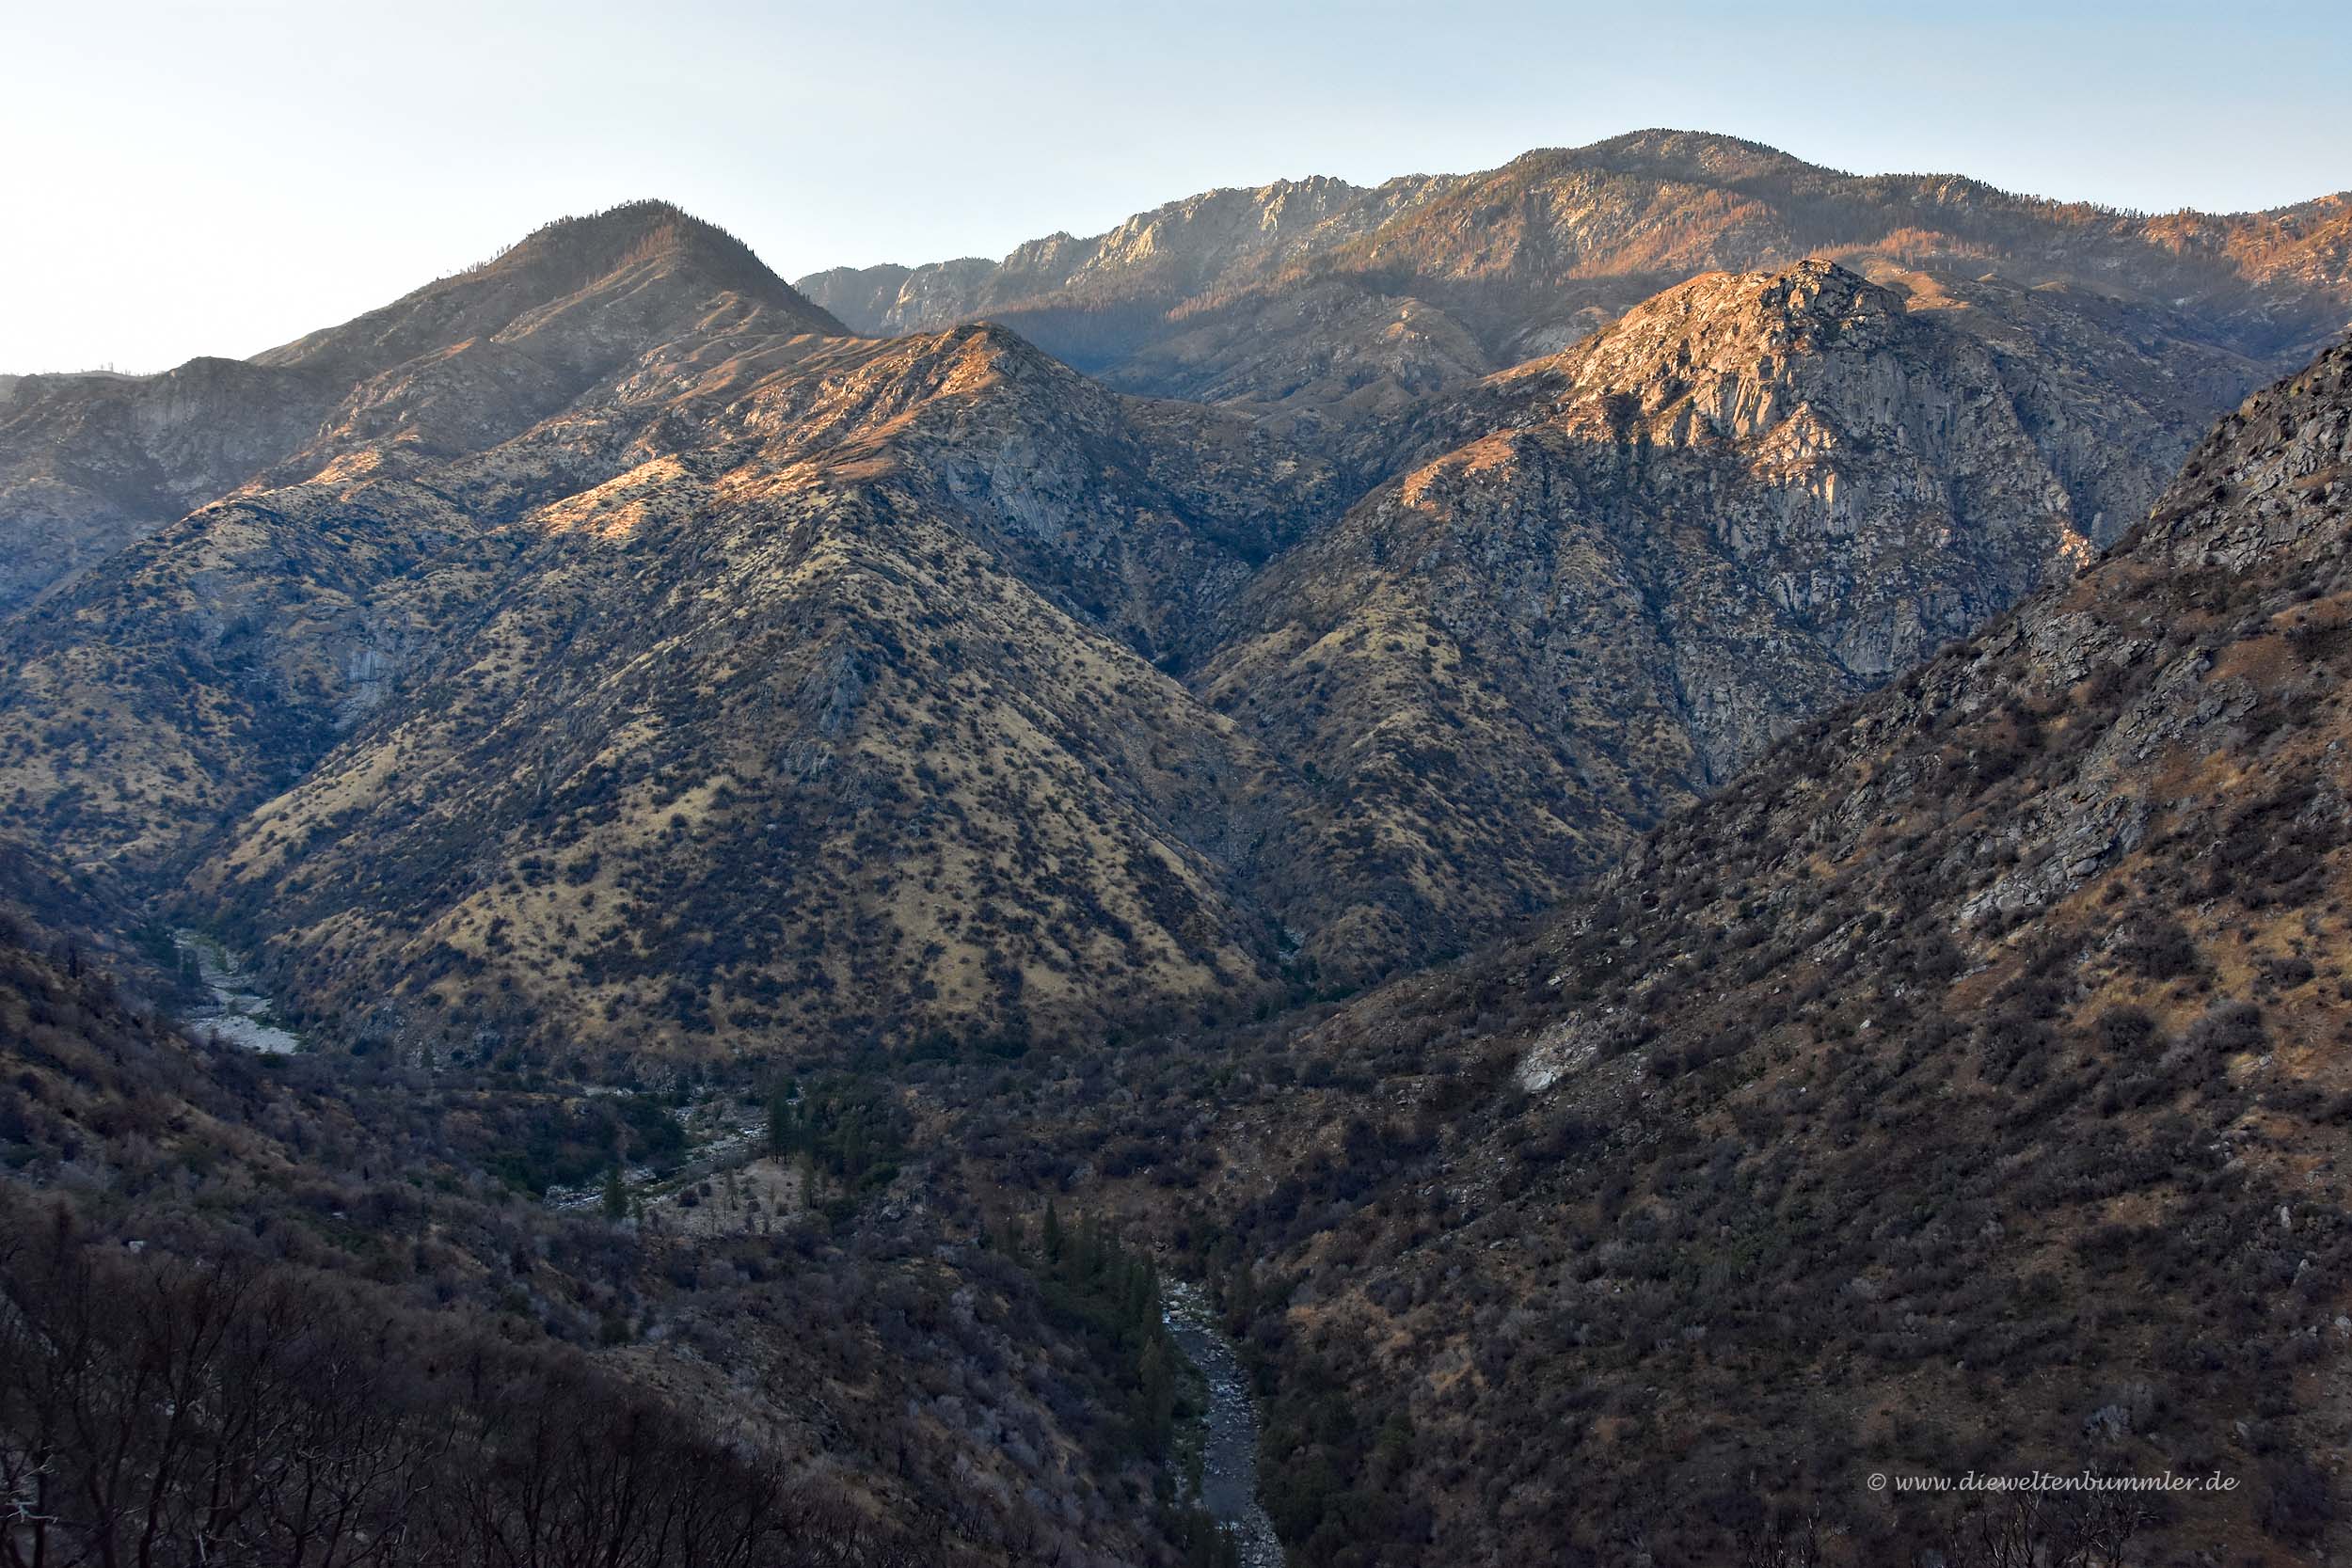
(1228, 1457)
(239, 1012)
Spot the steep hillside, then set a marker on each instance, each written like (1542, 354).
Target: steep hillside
(277, 1310)
(1319, 298)
(779, 689)
(90, 464)
(813, 732)
(1749, 499)
(210, 664)
(1960, 1089)
(654, 674)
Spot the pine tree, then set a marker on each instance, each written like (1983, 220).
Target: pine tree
(616, 1194)
(1242, 1298)
(1392, 1451)
(853, 1147)
(780, 1125)
(1143, 1295)
(1051, 1233)
(1156, 1412)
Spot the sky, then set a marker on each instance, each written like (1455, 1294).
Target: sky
(178, 179)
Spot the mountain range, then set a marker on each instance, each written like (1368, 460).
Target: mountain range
(1329, 300)
(613, 583)
(1670, 815)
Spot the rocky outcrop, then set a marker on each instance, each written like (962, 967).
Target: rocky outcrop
(1965, 1059)
(1289, 297)
(1751, 499)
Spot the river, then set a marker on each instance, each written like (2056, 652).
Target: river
(239, 1012)
(1229, 1459)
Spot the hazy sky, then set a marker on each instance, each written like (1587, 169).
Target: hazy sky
(214, 179)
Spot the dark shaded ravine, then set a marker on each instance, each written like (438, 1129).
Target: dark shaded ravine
(1229, 1459)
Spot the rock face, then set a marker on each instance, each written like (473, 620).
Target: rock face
(1877, 1083)
(1749, 499)
(88, 463)
(1320, 299)
(1186, 249)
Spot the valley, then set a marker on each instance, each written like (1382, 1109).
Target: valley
(236, 1012)
(1533, 864)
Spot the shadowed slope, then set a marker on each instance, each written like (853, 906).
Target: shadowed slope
(1962, 1088)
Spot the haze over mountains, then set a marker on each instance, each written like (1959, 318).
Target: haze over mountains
(1020, 731)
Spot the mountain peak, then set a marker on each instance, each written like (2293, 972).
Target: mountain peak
(1812, 287)
(1720, 321)
(1661, 151)
(596, 245)
(615, 251)
(1816, 289)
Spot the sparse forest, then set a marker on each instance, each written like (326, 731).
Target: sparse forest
(1552, 865)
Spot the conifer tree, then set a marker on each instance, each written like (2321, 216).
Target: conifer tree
(1156, 1397)
(781, 1128)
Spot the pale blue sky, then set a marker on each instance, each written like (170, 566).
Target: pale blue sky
(186, 179)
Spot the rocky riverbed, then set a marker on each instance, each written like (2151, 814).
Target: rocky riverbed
(1228, 1461)
(239, 1012)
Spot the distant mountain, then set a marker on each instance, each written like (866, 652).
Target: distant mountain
(228, 647)
(629, 662)
(581, 296)
(1325, 300)
(1960, 1089)
(90, 464)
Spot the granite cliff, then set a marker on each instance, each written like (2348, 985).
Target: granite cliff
(1325, 301)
